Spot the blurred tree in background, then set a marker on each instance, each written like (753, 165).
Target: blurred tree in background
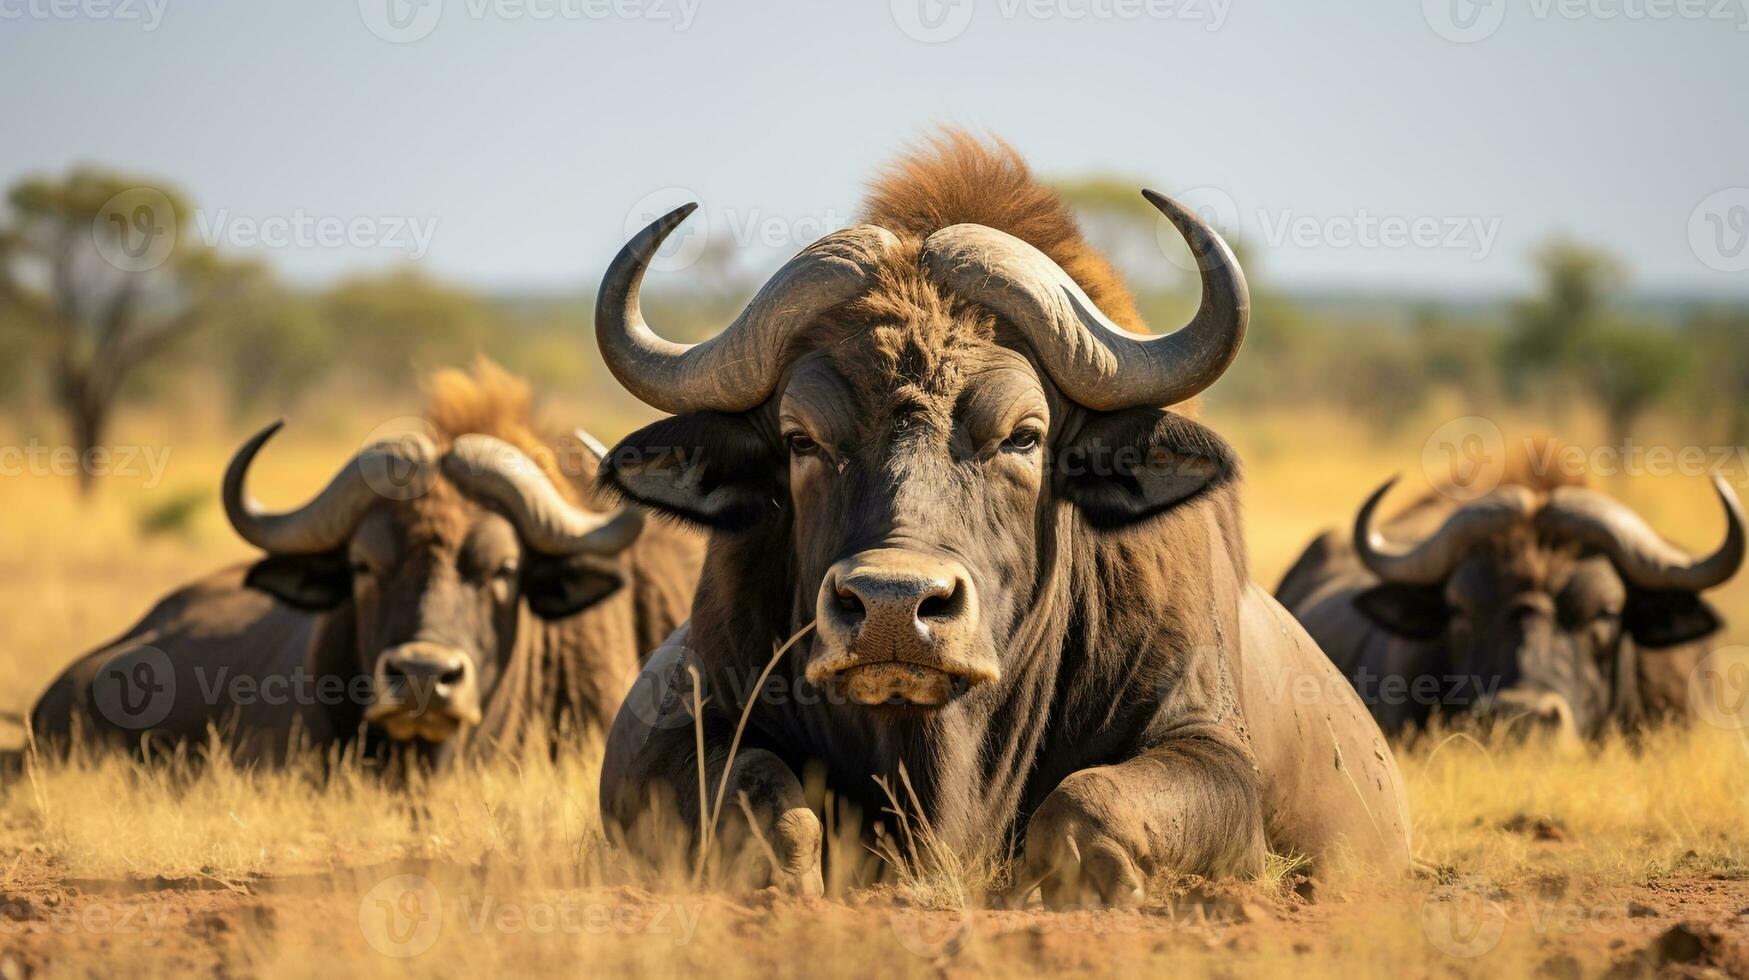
(1570, 340)
(98, 274)
(99, 283)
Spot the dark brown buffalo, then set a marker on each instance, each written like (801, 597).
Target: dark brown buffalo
(1547, 607)
(448, 590)
(937, 436)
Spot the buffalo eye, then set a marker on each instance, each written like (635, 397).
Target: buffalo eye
(1024, 440)
(800, 444)
(504, 579)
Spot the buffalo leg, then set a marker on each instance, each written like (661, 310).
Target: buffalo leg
(650, 776)
(1188, 806)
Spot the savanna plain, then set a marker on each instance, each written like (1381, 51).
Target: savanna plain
(1628, 858)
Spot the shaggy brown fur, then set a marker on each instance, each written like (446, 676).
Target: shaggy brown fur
(570, 669)
(952, 179)
(1116, 604)
(1618, 672)
(492, 401)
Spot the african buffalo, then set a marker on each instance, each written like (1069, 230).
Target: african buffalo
(444, 591)
(937, 436)
(1555, 607)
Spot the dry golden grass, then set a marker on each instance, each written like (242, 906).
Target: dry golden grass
(1533, 854)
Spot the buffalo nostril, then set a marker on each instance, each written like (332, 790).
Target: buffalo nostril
(940, 606)
(849, 603)
(451, 676)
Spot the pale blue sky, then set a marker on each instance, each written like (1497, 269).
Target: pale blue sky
(522, 143)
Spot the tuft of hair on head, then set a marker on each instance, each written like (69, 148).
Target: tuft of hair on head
(1536, 462)
(488, 400)
(952, 178)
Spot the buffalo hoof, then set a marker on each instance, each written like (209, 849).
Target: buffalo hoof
(1074, 857)
(797, 836)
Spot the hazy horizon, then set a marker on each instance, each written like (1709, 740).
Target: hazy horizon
(511, 144)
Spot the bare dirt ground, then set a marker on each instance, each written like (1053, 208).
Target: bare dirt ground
(1621, 860)
(1681, 925)
(1601, 868)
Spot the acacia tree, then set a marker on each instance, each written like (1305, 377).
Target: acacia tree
(1569, 337)
(98, 271)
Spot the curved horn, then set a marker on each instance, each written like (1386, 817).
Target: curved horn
(1432, 560)
(386, 470)
(1643, 557)
(1093, 360)
(494, 469)
(737, 369)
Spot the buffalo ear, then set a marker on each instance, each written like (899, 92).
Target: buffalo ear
(1416, 612)
(710, 469)
(314, 583)
(561, 587)
(1665, 619)
(1125, 467)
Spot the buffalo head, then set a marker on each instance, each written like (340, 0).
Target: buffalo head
(913, 423)
(1544, 602)
(442, 560)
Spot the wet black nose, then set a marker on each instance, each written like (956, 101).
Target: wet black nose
(426, 667)
(916, 601)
